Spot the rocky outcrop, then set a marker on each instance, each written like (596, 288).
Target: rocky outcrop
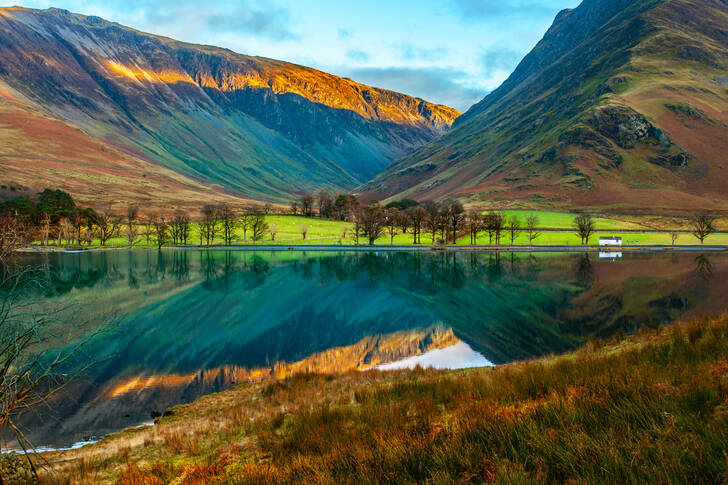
(625, 126)
(583, 137)
(685, 111)
(677, 160)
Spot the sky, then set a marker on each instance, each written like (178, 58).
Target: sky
(451, 52)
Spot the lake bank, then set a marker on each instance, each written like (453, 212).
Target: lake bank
(188, 323)
(620, 410)
(382, 248)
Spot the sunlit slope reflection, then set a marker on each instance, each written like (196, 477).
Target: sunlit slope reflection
(194, 322)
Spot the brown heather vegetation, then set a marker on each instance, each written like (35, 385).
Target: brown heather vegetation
(652, 408)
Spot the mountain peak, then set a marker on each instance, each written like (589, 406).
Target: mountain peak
(605, 111)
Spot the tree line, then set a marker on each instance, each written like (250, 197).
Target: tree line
(54, 217)
(445, 221)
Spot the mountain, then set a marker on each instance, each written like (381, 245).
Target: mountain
(250, 126)
(622, 105)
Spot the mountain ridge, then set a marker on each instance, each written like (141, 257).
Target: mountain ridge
(263, 128)
(605, 113)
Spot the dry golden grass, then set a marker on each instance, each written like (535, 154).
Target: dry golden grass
(649, 409)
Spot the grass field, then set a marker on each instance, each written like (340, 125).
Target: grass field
(652, 408)
(325, 232)
(562, 220)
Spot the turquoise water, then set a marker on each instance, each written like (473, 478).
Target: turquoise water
(165, 327)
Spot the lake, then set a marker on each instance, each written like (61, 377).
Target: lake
(165, 328)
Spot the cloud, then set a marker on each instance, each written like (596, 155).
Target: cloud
(357, 55)
(437, 85)
(412, 52)
(345, 33)
(187, 20)
(270, 22)
(500, 59)
(259, 19)
(483, 9)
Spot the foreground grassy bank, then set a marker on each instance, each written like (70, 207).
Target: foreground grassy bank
(652, 408)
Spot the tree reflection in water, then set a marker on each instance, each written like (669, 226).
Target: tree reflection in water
(703, 267)
(187, 313)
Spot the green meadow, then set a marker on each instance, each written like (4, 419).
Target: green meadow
(289, 231)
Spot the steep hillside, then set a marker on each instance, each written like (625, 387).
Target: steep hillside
(38, 151)
(258, 127)
(622, 105)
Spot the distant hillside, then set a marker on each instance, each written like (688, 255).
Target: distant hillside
(622, 105)
(254, 127)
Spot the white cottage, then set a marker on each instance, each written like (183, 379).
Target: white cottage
(610, 241)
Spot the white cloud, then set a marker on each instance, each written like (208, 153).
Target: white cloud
(440, 85)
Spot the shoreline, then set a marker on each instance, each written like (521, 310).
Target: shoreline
(428, 248)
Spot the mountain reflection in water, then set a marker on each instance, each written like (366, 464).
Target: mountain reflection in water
(195, 322)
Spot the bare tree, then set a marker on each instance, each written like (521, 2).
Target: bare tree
(357, 225)
(294, 207)
(474, 224)
(488, 226)
(304, 230)
(107, 226)
(148, 231)
(345, 207)
(497, 222)
(432, 221)
(532, 228)
(417, 216)
(325, 204)
(87, 236)
(453, 218)
(513, 226)
(45, 221)
(372, 221)
(585, 227)
(65, 231)
(161, 232)
(180, 227)
(77, 219)
(703, 226)
(404, 221)
(132, 232)
(673, 237)
(273, 230)
(258, 226)
(392, 217)
(228, 222)
(245, 216)
(209, 226)
(307, 202)
(13, 234)
(31, 377)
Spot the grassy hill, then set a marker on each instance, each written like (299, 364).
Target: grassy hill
(257, 127)
(622, 105)
(37, 151)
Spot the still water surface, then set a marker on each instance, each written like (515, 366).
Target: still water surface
(187, 323)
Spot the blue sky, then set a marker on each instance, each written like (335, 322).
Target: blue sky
(451, 52)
